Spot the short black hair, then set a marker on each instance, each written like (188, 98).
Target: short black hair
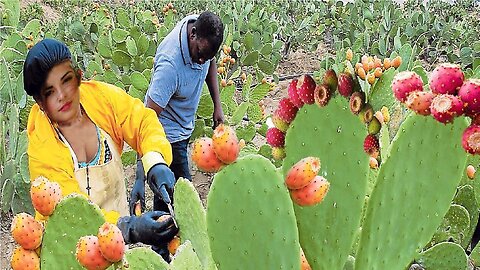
(210, 27)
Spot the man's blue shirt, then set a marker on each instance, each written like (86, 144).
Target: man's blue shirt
(177, 82)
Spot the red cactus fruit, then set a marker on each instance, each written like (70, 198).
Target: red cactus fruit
(322, 94)
(312, 193)
(204, 156)
(404, 83)
(278, 153)
(305, 87)
(419, 102)
(45, 195)
(304, 265)
(27, 231)
(89, 255)
(275, 137)
(446, 78)
(286, 110)
(293, 94)
(357, 102)
(371, 146)
(302, 173)
(471, 139)
(469, 93)
(225, 143)
(445, 108)
(345, 84)
(279, 123)
(111, 243)
(331, 80)
(23, 259)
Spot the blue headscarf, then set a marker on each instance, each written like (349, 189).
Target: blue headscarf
(40, 59)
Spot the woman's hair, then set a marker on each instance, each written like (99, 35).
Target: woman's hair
(209, 26)
(40, 60)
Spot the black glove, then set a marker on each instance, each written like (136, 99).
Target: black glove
(161, 180)
(146, 229)
(138, 190)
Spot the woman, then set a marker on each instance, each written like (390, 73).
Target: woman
(76, 132)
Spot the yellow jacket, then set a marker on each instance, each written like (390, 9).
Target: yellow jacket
(123, 117)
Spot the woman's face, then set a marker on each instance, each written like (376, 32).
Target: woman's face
(60, 96)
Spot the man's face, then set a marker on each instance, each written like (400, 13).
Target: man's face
(201, 51)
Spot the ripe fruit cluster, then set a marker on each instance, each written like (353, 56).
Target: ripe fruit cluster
(305, 186)
(450, 96)
(225, 64)
(371, 68)
(100, 251)
(211, 154)
(168, 7)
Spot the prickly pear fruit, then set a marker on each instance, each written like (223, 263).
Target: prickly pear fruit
(445, 108)
(446, 78)
(286, 110)
(89, 255)
(345, 84)
(293, 94)
(322, 95)
(419, 102)
(27, 231)
(225, 143)
(404, 83)
(275, 137)
(204, 156)
(279, 123)
(471, 171)
(173, 245)
(111, 243)
(373, 162)
(374, 126)
(469, 93)
(23, 259)
(302, 173)
(471, 139)
(304, 265)
(371, 146)
(138, 209)
(278, 153)
(45, 195)
(330, 79)
(357, 101)
(305, 87)
(366, 114)
(312, 193)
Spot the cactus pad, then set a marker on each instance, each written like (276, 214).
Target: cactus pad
(334, 135)
(185, 258)
(250, 218)
(444, 256)
(413, 192)
(143, 258)
(466, 198)
(73, 218)
(454, 227)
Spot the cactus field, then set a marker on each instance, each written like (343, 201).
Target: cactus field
(351, 137)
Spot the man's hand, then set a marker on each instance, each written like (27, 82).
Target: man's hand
(138, 190)
(218, 117)
(151, 228)
(160, 176)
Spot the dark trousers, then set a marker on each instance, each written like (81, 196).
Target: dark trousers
(179, 168)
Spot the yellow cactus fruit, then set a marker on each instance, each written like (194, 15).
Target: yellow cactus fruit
(386, 114)
(361, 73)
(349, 55)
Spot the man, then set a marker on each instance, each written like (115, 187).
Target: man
(183, 62)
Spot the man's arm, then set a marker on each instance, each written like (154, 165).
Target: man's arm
(151, 104)
(212, 84)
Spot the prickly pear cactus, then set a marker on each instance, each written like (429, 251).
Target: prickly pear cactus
(191, 219)
(185, 258)
(454, 227)
(143, 258)
(250, 218)
(443, 256)
(334, 135)
(415, 186)
(466, 198)
(73, 218)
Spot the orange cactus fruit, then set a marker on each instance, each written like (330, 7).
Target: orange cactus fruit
(386, 63)
(304, 265)
(138, 209)
(311, 194)
(302, 173)
(225, 143)
(361, 73)
(111, 243)
(173, 245)
(88, 253)
(45, 195)
(373, 163)
(378, 72)
(23, 259)
(204, 156)
(349, 55)
(223, 83)
(397, 61)
(371, 78)
(471, 171)
(27, 231)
